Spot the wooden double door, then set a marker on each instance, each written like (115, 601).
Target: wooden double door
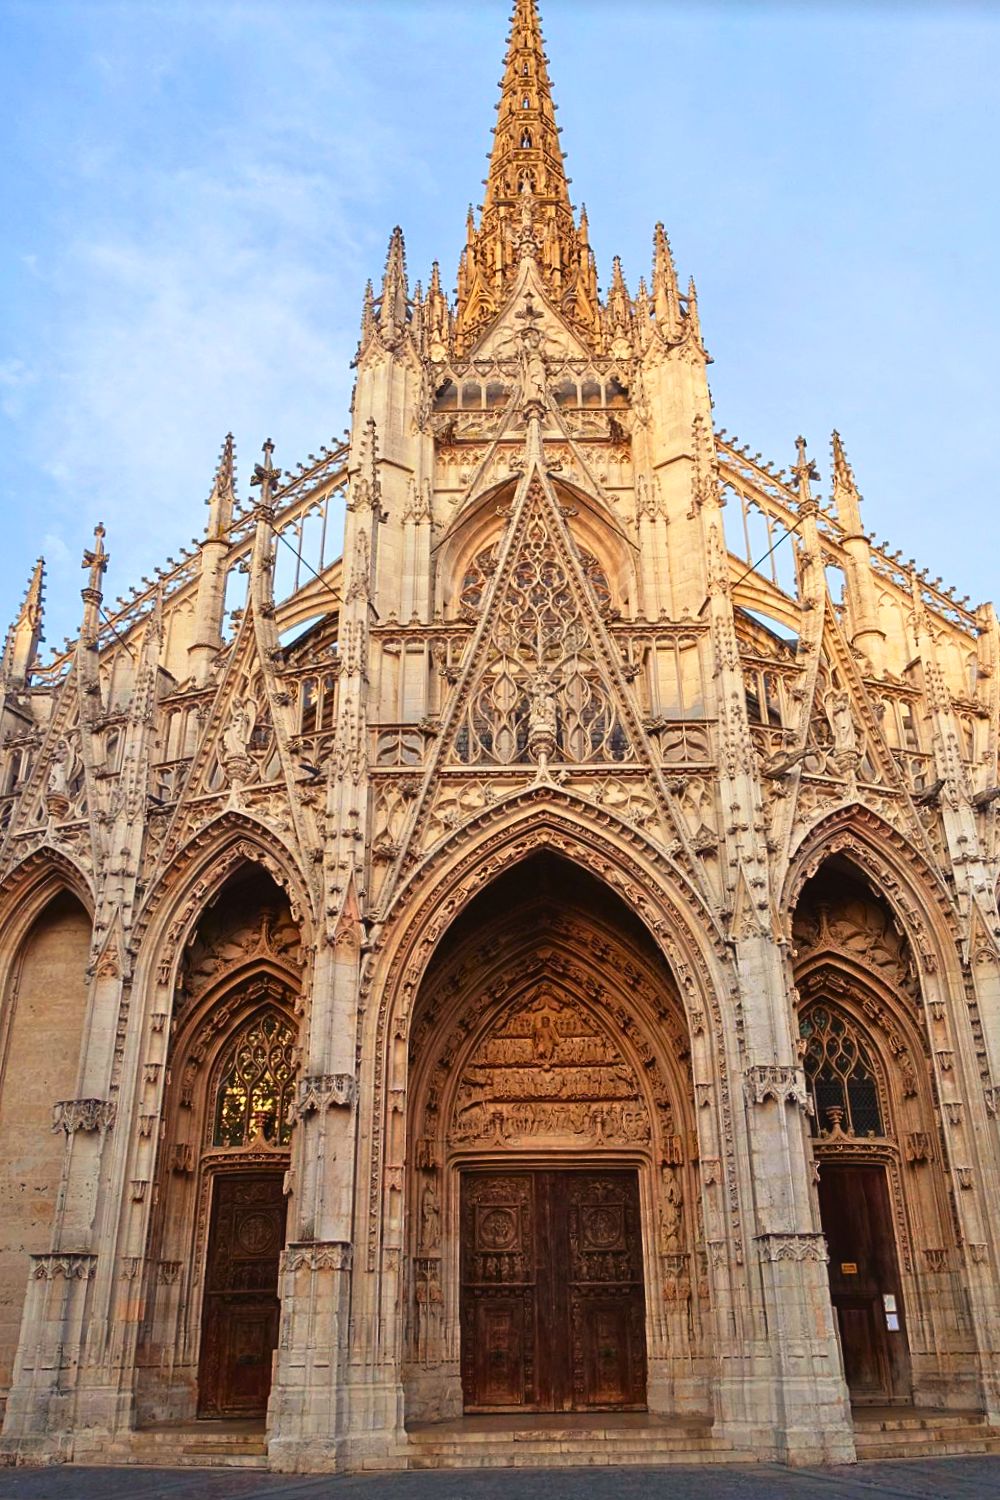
(864, 1282)
(241, 1308)
(552, 1302)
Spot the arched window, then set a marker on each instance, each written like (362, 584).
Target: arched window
(840, 1074)
(254, 1091)
(526, 141)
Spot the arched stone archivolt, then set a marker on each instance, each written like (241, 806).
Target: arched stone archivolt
(873, 1054)
(892, 865)
(174, 902)
(225, 1108)
(544, 1036)
(436, 894)
(30, 884)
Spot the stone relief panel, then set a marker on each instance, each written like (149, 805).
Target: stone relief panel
(548, 1071)
(231, 938)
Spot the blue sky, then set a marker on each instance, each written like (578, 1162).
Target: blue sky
(195, 194)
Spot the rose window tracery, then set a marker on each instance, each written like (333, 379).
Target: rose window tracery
(255, 1088)
(840, 1075)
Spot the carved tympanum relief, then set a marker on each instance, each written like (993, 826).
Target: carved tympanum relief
(548, 1070)
(860, 929)
(235, 934)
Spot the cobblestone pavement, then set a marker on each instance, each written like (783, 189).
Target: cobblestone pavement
(943, 1479)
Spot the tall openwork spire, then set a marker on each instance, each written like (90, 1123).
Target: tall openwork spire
(526, 208)
(526, 154)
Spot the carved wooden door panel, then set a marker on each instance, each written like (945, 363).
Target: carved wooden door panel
(499, 1302)
(241, 1309)
(607, 1312)
(553, 1315)
(864, 1282)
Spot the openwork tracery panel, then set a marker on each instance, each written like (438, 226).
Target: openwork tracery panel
(541, 682)
(254, 1090)
(841, 1074)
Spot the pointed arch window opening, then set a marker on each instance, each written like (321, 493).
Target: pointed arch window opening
(255, 1085)
(841, 1076)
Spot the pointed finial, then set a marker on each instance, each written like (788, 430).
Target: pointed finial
(96, 559)
(666, 294)
(846, 500)
(367, 314)
(266, 477)
(619, 302)
(222, 500)
(804, 470)
(24, 636)
(392, 316)
(526, 178)
(693, 320)
(366, 487)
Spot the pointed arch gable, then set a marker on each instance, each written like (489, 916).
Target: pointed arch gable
(547, 818)
(43, 866)
(548, 815)
(201, 868)
(888, 861)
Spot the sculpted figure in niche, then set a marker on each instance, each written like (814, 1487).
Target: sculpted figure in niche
(430, 1218)
(544, 1038)
(63, 770)
(671, 1213)
(542, 717)
(237, 733)
(532, 367)
(838, 709)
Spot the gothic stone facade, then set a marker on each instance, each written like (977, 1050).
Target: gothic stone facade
(537, 961)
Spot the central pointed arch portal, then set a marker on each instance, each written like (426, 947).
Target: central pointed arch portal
(555, 1253)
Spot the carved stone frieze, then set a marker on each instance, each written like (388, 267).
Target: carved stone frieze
(797, 1247)
(72, 1266)
(548, 1070)
(317, 1255)
(324, 1091)
(777, 1082)
(71, 1115)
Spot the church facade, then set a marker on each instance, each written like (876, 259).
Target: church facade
(544, 960)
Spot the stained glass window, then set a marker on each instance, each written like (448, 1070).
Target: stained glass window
(254, 1094)
(840, 1074)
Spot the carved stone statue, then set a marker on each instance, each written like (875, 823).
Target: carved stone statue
(237, 733)
(671, 1213)
(543, 722)
(58, 784)
(838, 708)
(533, 379)
(430, 1218)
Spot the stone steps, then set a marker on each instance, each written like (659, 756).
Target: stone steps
(188, 1447)
(912, 1436)
(567, 1448)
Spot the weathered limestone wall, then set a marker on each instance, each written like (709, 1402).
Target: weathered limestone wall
(40, 1030)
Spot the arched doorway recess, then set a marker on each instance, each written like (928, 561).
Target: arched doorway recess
(42, 1018)
(218, 1227)
(555, 1250)
(884, 1195)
